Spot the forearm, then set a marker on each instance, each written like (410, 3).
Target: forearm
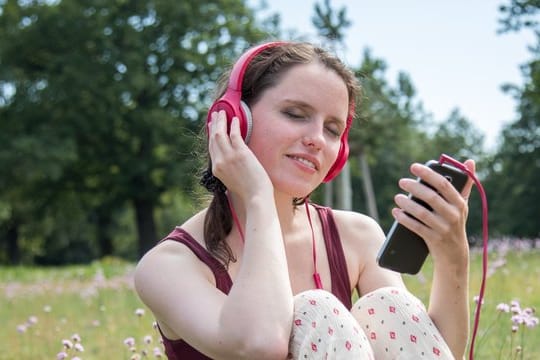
(449, 305)
(260, 303)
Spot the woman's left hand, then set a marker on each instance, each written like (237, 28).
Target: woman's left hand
(443, 229)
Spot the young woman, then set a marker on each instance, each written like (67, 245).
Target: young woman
(263, 273)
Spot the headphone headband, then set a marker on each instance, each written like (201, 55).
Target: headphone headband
(239, 69)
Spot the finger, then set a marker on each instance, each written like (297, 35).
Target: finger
(415, 209)
(416, 226)
(236, 133)
(440, 184)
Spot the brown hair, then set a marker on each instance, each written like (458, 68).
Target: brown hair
(263, 72)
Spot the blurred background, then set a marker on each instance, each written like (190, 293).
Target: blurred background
(102, 104)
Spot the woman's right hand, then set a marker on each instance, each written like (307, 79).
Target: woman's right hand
(233, 162)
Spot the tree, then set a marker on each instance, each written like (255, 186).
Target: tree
(513, 183)
(331, 25)
(123, 87)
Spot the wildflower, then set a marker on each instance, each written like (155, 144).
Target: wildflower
(514, 328)
(502, 307)
(21, 328)
(67, 344)
(514, 307)
(130, 342)
(61, 355)
(135, 357)
(155, 325)
(157, 352)
(76, 338)
(32, 320)
(477, 298)
(148, 339)
(139, 312)
(47, 308)
(78, 347)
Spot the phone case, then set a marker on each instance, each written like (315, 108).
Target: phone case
(403, 250)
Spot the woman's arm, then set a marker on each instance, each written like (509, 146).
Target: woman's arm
(443, 230)
(254, 320)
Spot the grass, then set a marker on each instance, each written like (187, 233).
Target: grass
(41, 307)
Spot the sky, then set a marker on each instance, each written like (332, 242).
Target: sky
(451, 50)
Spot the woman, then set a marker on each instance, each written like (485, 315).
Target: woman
(262, 273)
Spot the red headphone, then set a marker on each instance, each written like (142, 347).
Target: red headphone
(231, 102)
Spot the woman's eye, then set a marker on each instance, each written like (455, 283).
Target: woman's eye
(334, 131)
(293, 114)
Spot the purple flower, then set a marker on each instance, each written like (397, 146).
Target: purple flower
(130, 342)
(32, 320)
(21, 328)
(67, 344)
(502, 307)
(477, 298)
(61, 355)
(157, 352)
(76, 338)
(78, 347)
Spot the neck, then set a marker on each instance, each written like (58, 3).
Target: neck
(284, 206)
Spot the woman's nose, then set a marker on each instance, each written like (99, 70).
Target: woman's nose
(314, 137)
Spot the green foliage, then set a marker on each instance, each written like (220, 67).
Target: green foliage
(101, 106)
(106, 100)
(515, 169)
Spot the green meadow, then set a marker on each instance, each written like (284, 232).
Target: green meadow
(93, 308)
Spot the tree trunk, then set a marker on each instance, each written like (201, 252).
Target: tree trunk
(345, 188)
(105, 241)
(368, 187)
(146, 227)
(13, 250)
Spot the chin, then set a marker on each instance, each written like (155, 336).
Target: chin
(295, 188)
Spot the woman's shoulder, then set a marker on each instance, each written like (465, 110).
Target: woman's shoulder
(174, 253)
(168, 258)
(357, 224)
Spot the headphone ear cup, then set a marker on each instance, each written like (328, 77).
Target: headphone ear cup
(232, 107)
(246, 121)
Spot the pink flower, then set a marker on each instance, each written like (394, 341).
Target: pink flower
(78, 347)
(76, 338)
(67, 344)
(157, 352)
(130, 342)
(21, 328)
(477, 298)
(32, 320)
(148, 339)
(61, 355)
(502, 307)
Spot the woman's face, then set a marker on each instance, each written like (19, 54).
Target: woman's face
(297, 126)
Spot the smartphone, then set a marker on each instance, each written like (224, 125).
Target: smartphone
(403, 250)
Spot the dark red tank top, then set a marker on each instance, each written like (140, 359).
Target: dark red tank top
(179, 349)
